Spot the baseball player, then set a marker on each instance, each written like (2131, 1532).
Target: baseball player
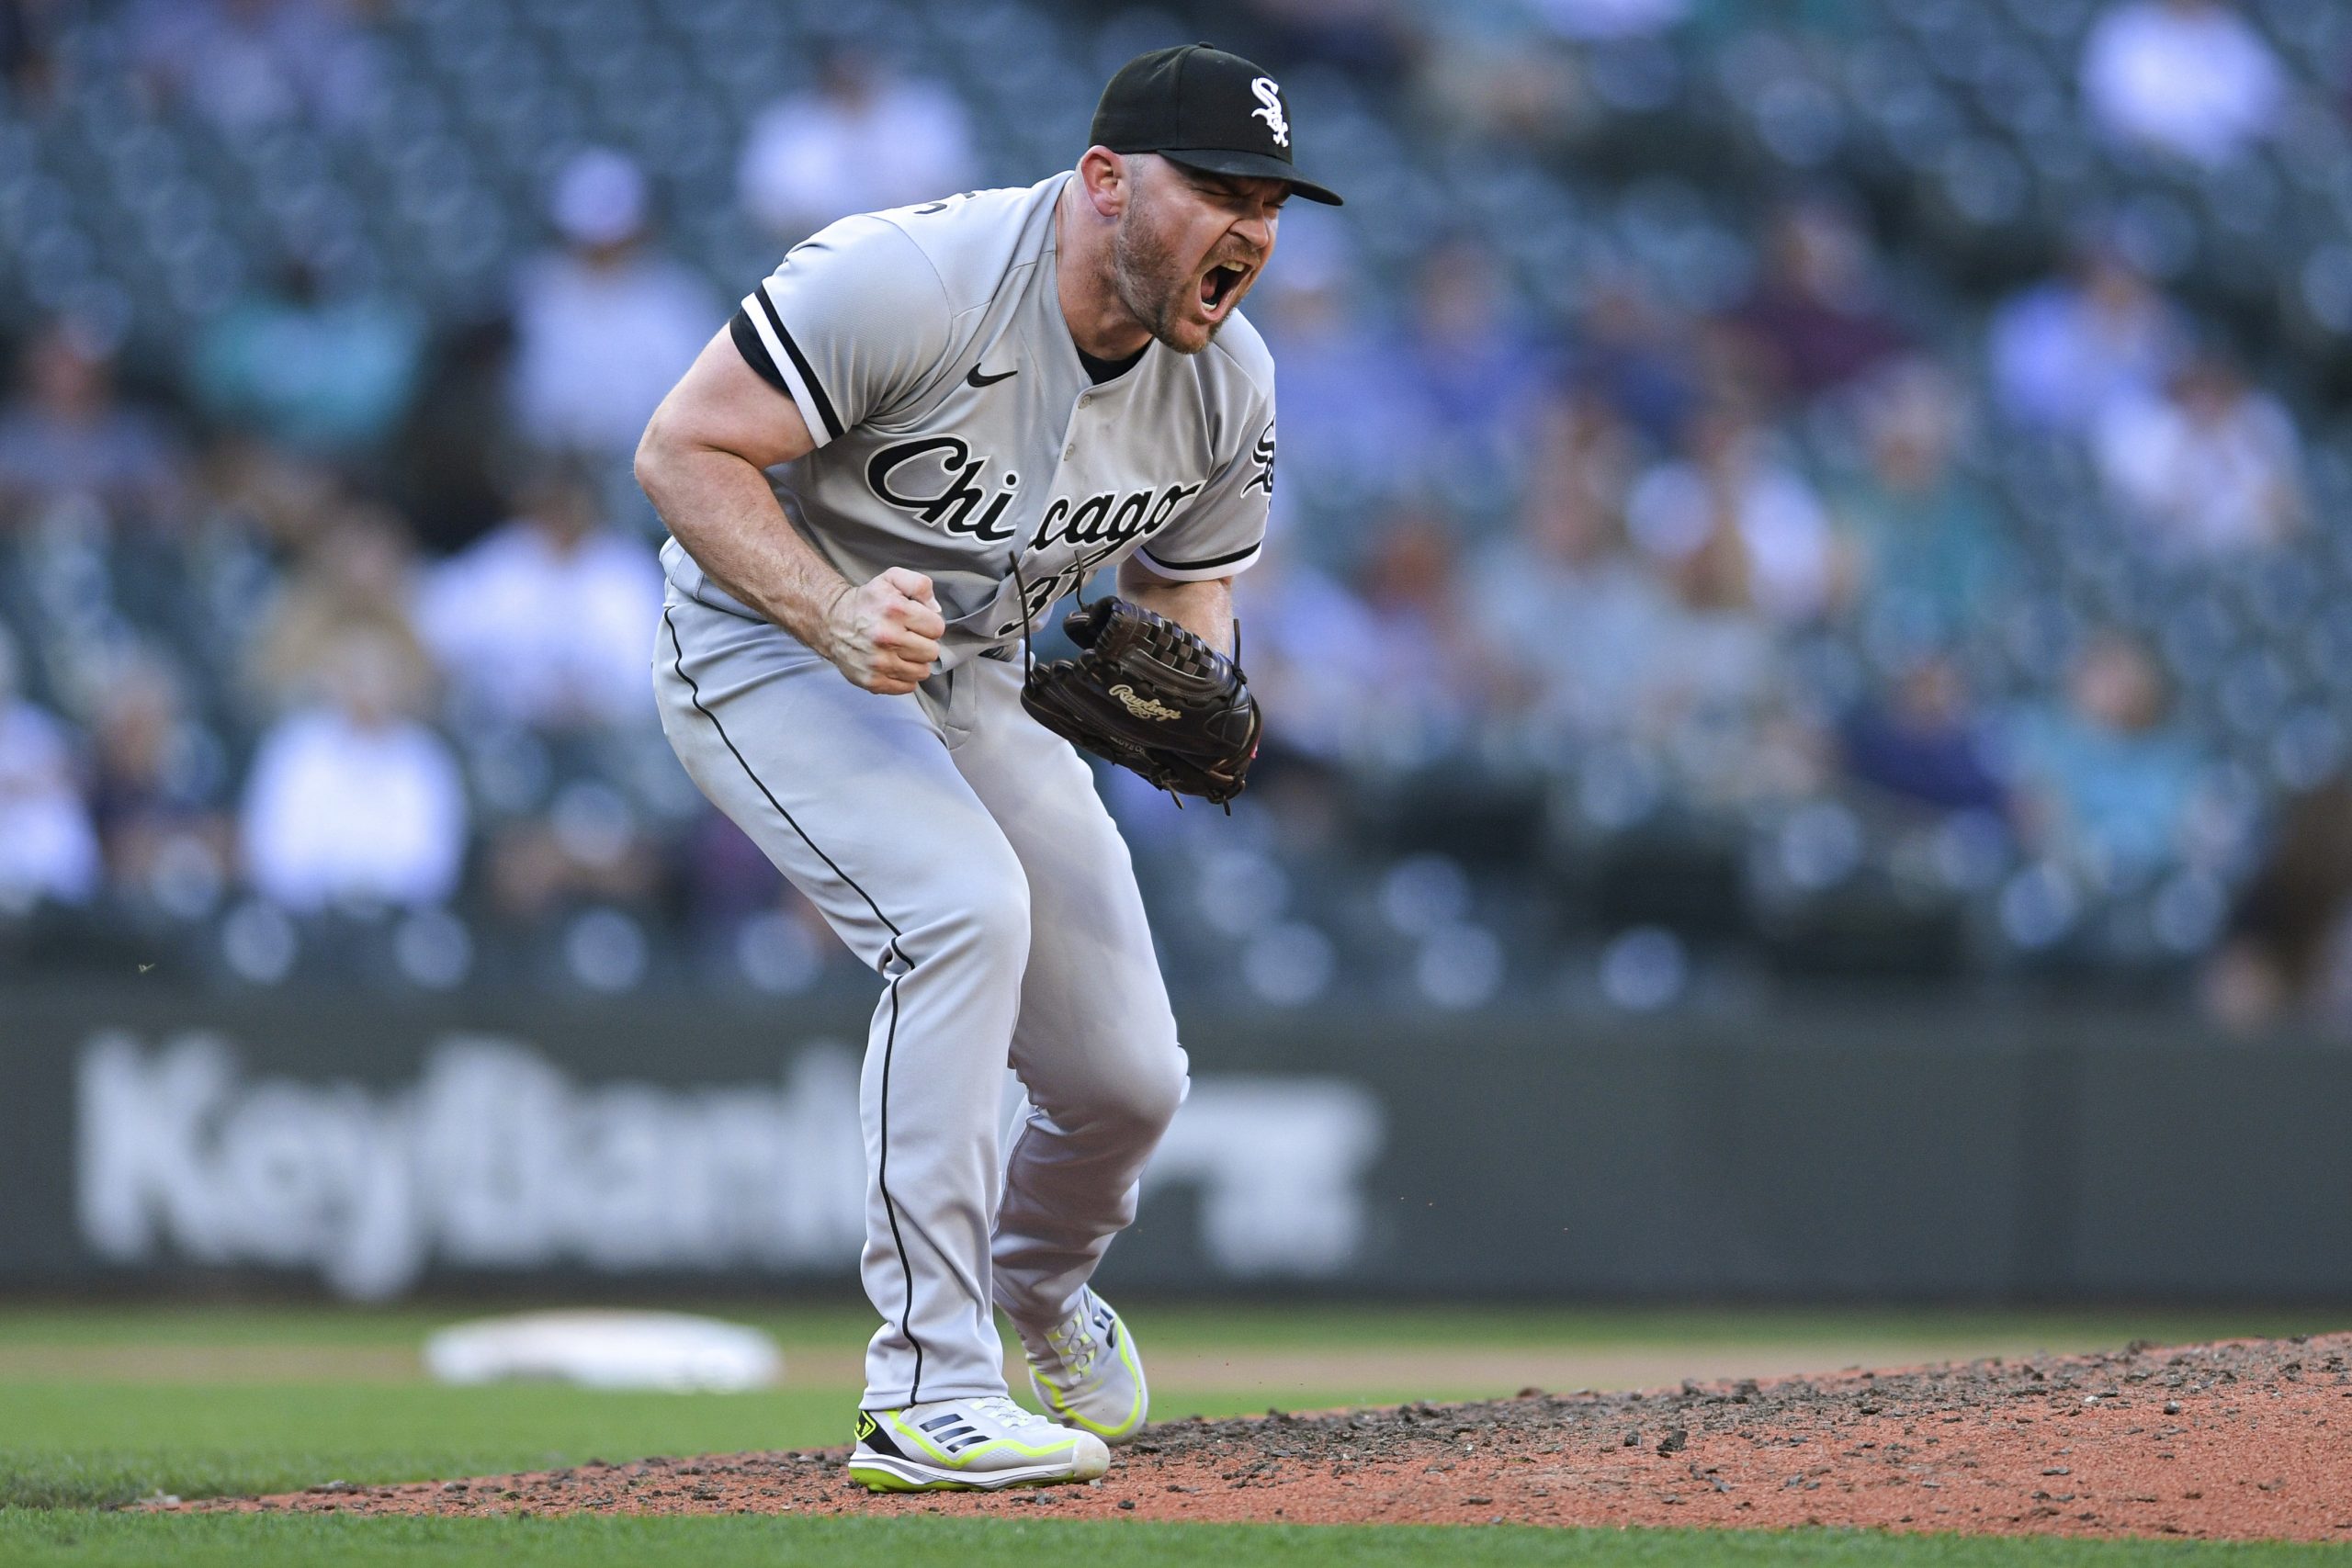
(916, 435)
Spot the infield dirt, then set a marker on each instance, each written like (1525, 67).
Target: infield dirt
(2240, 1439)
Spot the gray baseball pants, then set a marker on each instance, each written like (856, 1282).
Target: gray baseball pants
(960, 850)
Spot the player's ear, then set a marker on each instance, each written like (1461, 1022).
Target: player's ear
(1108, 179)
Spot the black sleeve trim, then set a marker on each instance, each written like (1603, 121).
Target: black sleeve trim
(1205, 565)
(800, 363)
(754, 351)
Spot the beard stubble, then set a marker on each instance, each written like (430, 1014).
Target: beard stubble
(1149, 281)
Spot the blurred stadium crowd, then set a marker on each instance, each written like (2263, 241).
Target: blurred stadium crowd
(1766, 492)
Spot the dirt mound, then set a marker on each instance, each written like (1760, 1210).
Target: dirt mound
(2240, 1439)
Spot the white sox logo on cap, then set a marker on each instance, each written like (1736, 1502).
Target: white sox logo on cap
(1270, 95)
(1210, 111)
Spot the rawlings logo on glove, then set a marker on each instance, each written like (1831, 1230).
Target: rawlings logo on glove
(1148, 694)
(1142, 707)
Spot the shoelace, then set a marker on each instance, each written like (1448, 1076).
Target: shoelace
(1004, 1412)
(1074, 1341)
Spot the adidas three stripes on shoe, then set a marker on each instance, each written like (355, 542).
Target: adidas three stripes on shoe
(956, 1444)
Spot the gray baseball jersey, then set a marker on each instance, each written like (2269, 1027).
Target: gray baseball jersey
(956, 845)
(959, 434)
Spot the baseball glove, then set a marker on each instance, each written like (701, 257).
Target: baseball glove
(1149, 695)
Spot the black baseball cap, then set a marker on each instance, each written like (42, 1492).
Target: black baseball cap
(1197, 106)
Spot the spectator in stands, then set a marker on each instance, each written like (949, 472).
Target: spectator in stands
(49, 852)
(67, 432)
(1634, 565)
(548, 620)
(265, 493)
(1925, 742)
(1586, 455)
(1425, 677)
(2189, 78)
(1474, 362)
(605, 325)
(1709, 705)
(446, 459)
(1353, 413)
(1734, 511)
(1636, 353)
(351, 802)
(355, 572)
(1716, 650)
(2287, 955)
(865, 139)
(28, 35)
(1485, 85)
(2210, 466)
(1375, 669)
(1373, 41)
(727, 877)
(157, 800)
(588, 844)
(1313, 653)
(244, 63)
(1928, 558)
(318, 369)
(1816, 319)
(1568, 621)
(2066, 349)
(2105, 783)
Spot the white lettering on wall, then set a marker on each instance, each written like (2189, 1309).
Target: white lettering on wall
(1280, 1163)
(496, 1158)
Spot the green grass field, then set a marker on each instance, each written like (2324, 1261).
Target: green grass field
(100, 1407)
(121, 1540)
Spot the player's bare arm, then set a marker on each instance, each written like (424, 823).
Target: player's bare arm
(702, 462)
(1203, 608)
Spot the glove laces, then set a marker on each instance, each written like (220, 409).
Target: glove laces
(1020, 592)
(1029, 656)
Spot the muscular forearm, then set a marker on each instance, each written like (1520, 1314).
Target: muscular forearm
(703, 463)
(721, 511)
(1205, 609)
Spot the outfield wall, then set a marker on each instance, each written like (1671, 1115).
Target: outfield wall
(380, 1149)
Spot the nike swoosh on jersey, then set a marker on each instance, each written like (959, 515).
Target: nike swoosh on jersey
(977, 379)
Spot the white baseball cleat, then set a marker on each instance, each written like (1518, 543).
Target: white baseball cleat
(1086, 1371)
(969, 1445)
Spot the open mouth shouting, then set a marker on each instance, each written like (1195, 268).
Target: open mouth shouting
(1221, 285)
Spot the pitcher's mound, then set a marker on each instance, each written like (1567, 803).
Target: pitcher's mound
(2243, 1438)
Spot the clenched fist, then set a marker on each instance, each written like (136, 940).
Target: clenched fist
(884, 634)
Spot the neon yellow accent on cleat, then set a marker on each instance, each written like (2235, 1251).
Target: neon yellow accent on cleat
(894, 1453)
(900, 1428)
(883, 1481)
(1086, 1346)
(1126, 1428)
